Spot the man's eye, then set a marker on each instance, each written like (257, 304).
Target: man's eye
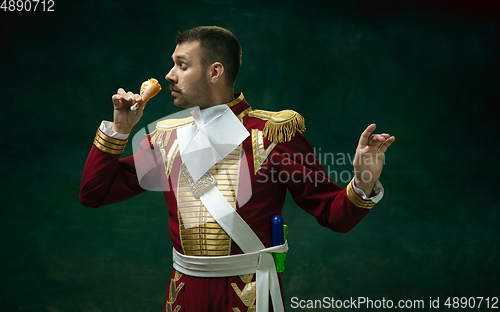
(183, 67)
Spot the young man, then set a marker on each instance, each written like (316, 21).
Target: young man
(225, 172)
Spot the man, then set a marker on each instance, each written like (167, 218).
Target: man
(225, 172)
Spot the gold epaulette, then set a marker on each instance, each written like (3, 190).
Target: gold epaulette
(280, 126)
(164, 129)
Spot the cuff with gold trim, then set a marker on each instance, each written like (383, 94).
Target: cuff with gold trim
(109, 145)
(107, 128)
(358, 200)
(376, 195)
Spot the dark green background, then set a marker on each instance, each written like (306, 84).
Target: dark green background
(427, 73)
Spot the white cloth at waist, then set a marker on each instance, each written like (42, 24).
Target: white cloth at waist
(222, 266)
(260, 262)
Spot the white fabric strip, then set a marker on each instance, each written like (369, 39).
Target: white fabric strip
(222, 266)
(215, 133)
(239, 231)
(231, 221)
(260, 262)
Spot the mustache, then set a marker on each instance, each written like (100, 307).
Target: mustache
(172, 87)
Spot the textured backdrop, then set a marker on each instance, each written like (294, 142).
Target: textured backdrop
(428, 74)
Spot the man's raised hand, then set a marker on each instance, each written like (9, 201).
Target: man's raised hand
(369, 159)
(124, 118)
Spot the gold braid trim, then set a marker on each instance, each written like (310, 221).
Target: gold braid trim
(243, 114)
(109, 145)
(248, 294)
(164, 129)
(260, 154)
(173, 293)
(356, 200)
(236, 100)
(280, 126)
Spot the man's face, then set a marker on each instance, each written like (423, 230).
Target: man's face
(189, 81)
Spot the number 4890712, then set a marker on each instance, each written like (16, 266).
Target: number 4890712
(27, 5)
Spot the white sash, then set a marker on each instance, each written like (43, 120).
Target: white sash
(222, 266)
(193, 143)
(247, 240)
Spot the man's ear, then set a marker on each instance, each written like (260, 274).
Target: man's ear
(216, 72)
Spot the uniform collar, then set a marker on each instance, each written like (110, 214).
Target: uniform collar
(238, 97)
(239, 105)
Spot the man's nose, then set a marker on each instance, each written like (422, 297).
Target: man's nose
(171, 77)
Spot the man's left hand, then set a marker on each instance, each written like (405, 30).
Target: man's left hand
(369, 158)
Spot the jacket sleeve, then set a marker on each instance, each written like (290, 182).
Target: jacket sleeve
(107, 179)
(333, 206)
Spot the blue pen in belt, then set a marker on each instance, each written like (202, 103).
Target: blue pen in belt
(279, 232)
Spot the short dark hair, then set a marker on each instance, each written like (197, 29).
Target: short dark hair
(217, 45)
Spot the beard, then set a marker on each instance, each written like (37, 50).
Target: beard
(196, 94)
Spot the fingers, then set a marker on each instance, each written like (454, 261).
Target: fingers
(365, 136)
(137, 98)
(382, 141)
(387, 143)
(378, 139)
(125, 99)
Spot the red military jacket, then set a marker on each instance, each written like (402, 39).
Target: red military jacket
(254, 178)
